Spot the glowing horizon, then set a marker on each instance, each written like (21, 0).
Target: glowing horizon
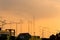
(46, 12)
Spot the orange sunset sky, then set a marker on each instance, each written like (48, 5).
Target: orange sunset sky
(46, 12)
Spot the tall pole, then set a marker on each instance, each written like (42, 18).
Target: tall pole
(31, 26)
(28, 26)
(34, 25)
(16, 28)
(21, 25)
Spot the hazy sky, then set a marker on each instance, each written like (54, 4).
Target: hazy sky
(38, 8)
(46, 12)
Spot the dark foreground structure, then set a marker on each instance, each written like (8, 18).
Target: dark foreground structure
(23, 36)
(53, 37)
(9, 34)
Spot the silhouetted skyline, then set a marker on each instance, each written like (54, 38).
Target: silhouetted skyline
(46, 12)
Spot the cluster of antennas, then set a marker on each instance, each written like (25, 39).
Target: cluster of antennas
(4, 22)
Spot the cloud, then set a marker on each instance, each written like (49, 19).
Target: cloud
(38, 8)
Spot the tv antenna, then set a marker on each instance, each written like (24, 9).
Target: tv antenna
(2, 22)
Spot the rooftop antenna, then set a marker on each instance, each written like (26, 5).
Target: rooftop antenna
(16, 25)
(42, 31)
(2, 22)
(10, 24)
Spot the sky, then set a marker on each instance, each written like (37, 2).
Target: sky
(46, 13)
